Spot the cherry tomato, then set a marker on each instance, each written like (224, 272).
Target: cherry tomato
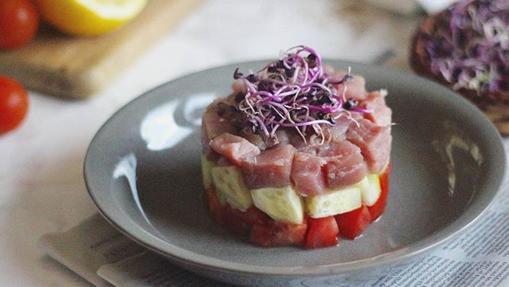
(322, 232)
(19, 22)
(275, 233)
(378, 208)
(13, 104)
(352, 224)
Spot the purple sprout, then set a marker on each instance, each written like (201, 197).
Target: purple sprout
(471, 50)
(294, 92)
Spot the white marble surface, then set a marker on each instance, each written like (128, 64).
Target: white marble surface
(41, 185)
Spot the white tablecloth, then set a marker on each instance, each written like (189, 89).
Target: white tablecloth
(41, 185)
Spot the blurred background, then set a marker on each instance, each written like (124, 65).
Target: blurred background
(77, 77)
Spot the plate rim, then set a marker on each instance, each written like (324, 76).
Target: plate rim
(189, 258)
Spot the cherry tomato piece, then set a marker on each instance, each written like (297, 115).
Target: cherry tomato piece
(19, 21)
(254, 216)
(214, 205)
(322, 232)
(232, 221)
(352, 224)
(278, 233)
(237, 221)
(13, 104)
(378, 208)
(240, 222)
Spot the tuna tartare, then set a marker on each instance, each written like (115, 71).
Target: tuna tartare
(297, 154)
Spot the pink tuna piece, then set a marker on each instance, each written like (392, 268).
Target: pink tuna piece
(213, 124)
(337, 132)
(233, 148)
(374, 142)
(344, 164)
(269, 169)
(381, 114)
(255, 139)
(355, 87)
(341, 164)
(239, 86)
(307, 174)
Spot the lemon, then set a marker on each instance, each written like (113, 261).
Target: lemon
(89, 17)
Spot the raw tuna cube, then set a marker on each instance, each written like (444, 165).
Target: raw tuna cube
(214, 125)
(344, 164)
(381, 114)
(374, 142)
(234, 148)
(269, 169)
(337, 132)
(355, 87)
(307, 174)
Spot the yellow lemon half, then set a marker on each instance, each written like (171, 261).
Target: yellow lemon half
(89, 17)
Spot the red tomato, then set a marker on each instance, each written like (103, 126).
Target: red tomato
(232, 220)
(378, 208)
(322, 232)
(261, 235)
(240, 222)
(13, 104)
(19, 22)
(254, 216)
(214, 205)
(353, 223)
(278, 233)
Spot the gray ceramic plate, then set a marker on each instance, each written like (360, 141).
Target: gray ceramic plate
(143, 172)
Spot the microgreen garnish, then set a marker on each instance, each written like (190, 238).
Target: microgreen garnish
(294, 92)
(471, 50)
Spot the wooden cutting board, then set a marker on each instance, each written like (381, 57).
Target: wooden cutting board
(76, 67)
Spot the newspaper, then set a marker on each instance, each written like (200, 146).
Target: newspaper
(100, 254)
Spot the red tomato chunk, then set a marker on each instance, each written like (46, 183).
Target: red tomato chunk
(322, 232)
(278, 233)
(353, 223)
(378, 208)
